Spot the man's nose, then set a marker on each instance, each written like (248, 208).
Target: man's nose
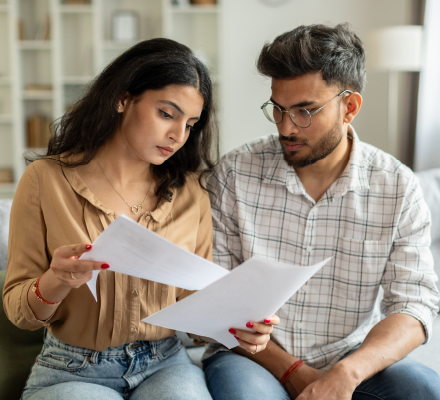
(287, 127)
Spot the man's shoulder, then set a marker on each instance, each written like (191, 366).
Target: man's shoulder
(260, 151)
(383, 166)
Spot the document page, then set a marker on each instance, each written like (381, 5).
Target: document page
(131, 249)
(251, 292)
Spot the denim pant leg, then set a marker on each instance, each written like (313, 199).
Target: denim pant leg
(407, 379)
(68, 372)
(231, 376)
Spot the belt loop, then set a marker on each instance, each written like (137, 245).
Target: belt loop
(153, 348)
(94, 358)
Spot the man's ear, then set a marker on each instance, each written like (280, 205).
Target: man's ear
(352, 104)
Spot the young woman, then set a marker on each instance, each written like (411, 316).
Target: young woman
(133, 145)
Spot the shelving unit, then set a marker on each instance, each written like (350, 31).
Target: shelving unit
(54, 49)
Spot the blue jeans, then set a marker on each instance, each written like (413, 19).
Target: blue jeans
(231, 376)
(138, 370)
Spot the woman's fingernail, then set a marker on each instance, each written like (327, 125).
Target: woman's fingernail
(250, 325)
(267, 321)
(88, 246)
(105, 266)
(233, 331)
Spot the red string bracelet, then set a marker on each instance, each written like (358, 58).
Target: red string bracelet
(36, 289)
(291, 371)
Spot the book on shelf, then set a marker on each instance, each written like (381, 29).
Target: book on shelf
(38, 131)
(43, 32)
(6, 175)
(38, 87)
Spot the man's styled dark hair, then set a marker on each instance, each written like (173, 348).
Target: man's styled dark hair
(335, 52)
(149, 65)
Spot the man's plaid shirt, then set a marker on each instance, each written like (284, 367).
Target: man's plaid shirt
(373, 221)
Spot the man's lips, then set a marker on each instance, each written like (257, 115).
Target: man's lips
(166, 151)
(292, 146)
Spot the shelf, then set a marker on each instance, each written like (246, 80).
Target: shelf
(77, 80)
(37, 95)
(195, 9)
(7, 188)
(35, 44)
(76, 9)
(113, 45)
(6, 119)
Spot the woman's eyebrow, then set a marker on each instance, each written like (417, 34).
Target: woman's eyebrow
(302, 104)
(176, 107)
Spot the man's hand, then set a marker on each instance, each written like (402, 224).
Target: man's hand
(332, 385)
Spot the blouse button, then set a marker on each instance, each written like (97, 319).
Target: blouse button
(134, 330)
(135, 293)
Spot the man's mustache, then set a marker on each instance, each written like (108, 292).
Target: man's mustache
(293, 139)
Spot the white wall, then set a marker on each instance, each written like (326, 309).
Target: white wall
(248, 24)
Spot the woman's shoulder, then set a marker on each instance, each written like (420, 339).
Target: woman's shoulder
(194, 184)
(43, 172)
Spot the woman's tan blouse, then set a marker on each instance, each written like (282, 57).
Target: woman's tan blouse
(53, 207)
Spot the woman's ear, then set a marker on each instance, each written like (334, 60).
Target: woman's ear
(353, 104)
(122, 102)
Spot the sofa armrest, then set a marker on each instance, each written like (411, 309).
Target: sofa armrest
(18, 350)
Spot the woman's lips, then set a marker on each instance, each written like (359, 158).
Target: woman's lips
(166, 151)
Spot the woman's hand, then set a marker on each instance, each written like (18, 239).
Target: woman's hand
(65, 273)
(69, 270)
(254, 342)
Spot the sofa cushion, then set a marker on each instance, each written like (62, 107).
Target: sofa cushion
(430, 184)
(5, 209)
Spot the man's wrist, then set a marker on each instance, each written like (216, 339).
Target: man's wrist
(349, 371)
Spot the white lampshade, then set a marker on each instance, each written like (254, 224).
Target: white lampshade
(397, 48)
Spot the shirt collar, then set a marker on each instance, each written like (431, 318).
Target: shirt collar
(78, 185)
(354, 176)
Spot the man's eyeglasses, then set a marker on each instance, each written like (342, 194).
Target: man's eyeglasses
(301, 117)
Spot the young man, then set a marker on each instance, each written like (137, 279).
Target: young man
(314, 191)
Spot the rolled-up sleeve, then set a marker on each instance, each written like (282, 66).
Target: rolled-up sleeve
(409, 281)
(27, 255)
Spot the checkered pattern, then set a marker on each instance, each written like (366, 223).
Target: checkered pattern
(373, 221)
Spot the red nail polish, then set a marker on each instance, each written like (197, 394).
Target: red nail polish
(233, 331)
(105, 266)
(250, 325)
(267, 321)
(88, 246)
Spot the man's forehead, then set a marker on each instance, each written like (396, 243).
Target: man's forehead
(309, 88)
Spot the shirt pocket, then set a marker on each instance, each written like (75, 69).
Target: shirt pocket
(360, 265)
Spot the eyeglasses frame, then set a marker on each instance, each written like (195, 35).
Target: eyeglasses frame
(308, 112)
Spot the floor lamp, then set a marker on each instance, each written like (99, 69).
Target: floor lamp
(394, 49)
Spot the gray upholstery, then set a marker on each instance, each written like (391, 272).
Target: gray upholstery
(5, 208)
(430, 184)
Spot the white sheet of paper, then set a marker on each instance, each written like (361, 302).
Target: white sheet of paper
(251, 292)
(133, 250)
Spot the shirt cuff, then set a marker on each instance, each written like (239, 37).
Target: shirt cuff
(27, 315)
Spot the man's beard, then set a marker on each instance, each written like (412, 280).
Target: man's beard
(320, 150)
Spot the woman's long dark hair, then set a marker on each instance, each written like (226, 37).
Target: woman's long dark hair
(149, 65)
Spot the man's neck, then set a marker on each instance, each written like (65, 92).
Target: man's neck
(318, 177)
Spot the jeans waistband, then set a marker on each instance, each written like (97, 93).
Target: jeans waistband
(132, 348)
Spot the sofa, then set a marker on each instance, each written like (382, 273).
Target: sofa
(19, 348)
